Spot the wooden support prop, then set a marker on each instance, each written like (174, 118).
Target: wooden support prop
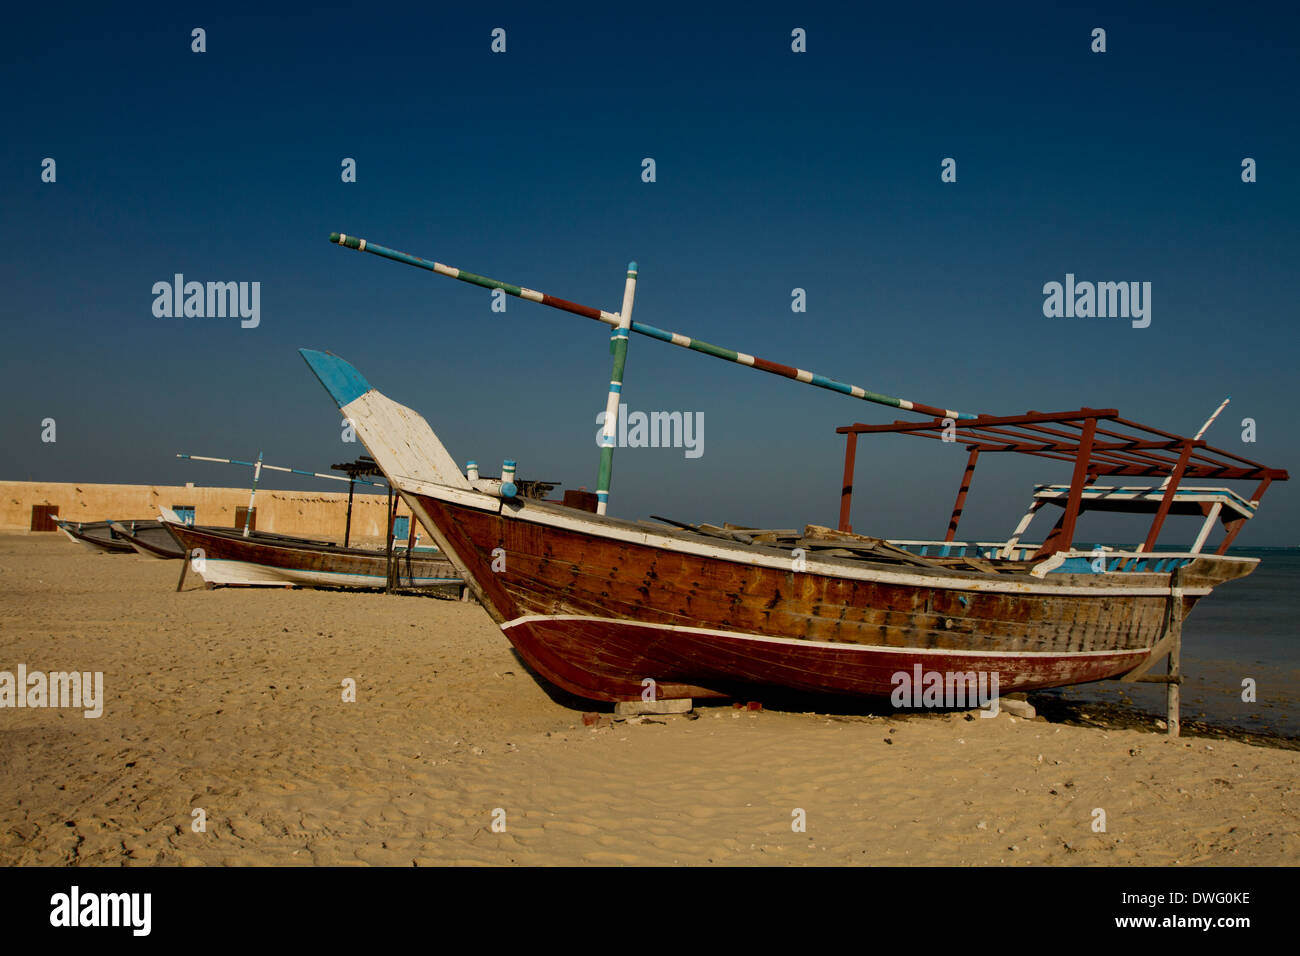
(185, 565)
(390, 511)
(846, 488)
(1173, 692)
(618, 344)
(411, 523)
(672, 338)
(637, 708)
(347, 528)
(1170, 645)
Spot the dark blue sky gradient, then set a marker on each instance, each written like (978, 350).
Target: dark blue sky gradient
(775, 170)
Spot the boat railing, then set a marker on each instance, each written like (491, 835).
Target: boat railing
(1076, 561)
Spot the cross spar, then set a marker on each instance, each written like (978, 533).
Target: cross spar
(673, 338)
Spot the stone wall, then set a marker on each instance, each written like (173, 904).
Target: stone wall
(302, 513)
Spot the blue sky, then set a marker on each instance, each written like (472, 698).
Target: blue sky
(775, 170)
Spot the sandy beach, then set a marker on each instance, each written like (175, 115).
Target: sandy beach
(231, 701)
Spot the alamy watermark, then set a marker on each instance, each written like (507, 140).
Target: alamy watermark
(56, 689)
(953, 689)
(1102, 300)
(656, 430)
(130, 910)
(212, 300)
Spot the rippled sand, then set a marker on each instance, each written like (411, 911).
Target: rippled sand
(230, 701)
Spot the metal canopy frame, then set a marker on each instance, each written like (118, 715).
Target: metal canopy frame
(1097, 441)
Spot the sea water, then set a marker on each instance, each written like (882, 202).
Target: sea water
(1248, 629)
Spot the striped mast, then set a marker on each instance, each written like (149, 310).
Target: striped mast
(673, 338)
(295, 471)
(1197, 437)
(618, 345)
(257, 467)
(1210, 421)
(257, 473)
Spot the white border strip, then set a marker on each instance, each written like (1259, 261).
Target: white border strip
(959, 581)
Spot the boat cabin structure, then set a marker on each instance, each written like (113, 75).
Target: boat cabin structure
(1099, 444)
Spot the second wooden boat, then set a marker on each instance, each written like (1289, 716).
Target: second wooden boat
(149, 538)
(155, 540)
(95, 535)
(227, 557)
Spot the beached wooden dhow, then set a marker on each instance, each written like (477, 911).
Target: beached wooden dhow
(97, 536)
(224, 556)
(149, 538)
(601, 606)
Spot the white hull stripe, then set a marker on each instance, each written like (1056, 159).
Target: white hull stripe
(766, 639)
(229, 571)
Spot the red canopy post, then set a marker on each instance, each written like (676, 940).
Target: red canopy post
(846, 489)
(1170, 490)
(957, 507)
(1062, 536)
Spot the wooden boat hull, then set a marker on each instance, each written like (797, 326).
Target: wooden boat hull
(150, 539)
(95, 536)
(600, 606)
(597, 613)
(603, 659)
(154, 540)
(228, 558)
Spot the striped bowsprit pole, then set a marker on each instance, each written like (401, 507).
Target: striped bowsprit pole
(673, 338)
(618, 341)
(293, 471)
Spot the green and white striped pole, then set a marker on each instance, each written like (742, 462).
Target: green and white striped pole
(663, 335)
(618, 342)
(257, 473)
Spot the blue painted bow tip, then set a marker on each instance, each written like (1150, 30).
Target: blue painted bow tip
(344, 383)
(631, 267)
